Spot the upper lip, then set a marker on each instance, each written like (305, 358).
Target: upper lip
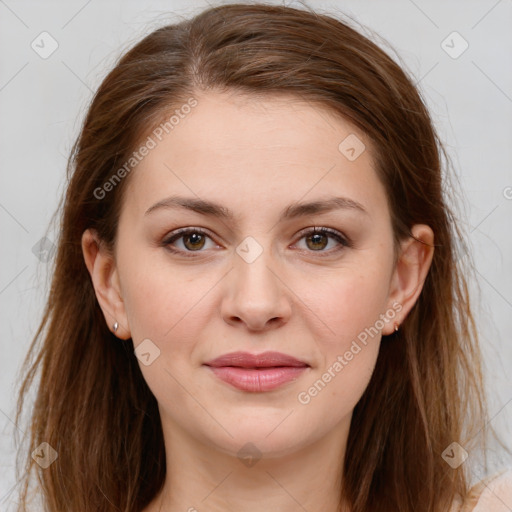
(248, 360)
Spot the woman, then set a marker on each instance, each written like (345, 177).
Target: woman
(256, 303)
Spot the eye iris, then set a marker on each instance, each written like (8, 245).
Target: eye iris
(196, 239)
(317, 239)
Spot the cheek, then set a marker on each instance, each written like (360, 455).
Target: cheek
(349, 347)
(160, 299)
(349, 302)
(338, 387)
(356, 312)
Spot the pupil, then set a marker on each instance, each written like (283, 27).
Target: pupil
(317, 239)
(195, 240)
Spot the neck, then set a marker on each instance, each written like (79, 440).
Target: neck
(201, 477)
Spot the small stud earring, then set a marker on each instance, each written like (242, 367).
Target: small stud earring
(115, 326)
(396, 327)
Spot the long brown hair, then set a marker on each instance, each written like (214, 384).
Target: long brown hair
(93, 405)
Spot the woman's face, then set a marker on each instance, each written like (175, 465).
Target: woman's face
(256, 279)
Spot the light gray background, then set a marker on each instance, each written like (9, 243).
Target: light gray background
(42, 102)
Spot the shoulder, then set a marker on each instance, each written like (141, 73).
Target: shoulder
(493, 494)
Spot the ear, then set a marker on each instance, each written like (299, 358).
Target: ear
(414, 260)
(105, 279)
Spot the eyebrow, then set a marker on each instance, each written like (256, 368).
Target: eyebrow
(292, 211)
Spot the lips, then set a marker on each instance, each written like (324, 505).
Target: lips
(257, 373)
(264, 360)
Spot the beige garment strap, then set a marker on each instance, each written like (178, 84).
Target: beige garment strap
(476, 491)
(473, 497)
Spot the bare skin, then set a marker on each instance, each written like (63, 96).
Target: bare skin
(302, 296)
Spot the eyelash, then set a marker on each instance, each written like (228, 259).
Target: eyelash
(340, 238)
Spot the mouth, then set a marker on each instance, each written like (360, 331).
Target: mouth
(257, 373)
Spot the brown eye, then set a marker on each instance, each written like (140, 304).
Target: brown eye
(319, 241)
(194, 241)
(187, 240)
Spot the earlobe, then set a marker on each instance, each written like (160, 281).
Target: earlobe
(105, 280)
(412, 267)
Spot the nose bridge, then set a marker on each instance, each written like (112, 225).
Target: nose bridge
(256, 293)
(252, 262)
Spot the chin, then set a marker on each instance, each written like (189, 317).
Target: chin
(269, 439)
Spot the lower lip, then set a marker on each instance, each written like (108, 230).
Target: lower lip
(257, 380)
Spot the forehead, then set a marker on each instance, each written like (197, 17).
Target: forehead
(253, 152)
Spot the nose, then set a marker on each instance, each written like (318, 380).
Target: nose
(256, 295)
